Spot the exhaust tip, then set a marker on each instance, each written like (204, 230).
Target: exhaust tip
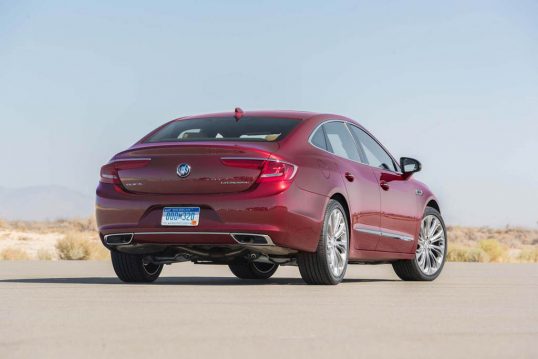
(252, 239)
(118, 239)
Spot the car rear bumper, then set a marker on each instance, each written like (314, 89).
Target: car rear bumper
(290, 219)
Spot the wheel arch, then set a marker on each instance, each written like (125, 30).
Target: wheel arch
(432, 202)
(343, 201)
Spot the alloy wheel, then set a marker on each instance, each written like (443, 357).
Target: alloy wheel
(337, 242)
(431, 245)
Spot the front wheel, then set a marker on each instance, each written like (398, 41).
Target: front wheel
(131, 268)
(430, 253)
(329, 263)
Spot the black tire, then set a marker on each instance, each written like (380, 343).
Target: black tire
(314, 267)
(409, 270)
(130, 268)
(253, 270)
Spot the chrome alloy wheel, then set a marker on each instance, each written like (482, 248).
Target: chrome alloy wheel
(337, 242)
(431, 245)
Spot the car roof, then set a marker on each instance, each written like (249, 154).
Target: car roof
(301, 115)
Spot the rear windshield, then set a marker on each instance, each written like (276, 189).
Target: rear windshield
(259, 129)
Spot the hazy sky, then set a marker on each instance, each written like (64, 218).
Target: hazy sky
(454, 84)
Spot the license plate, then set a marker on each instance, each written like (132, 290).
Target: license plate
(180, 216)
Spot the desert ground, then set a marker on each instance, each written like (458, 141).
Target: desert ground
(57, 309)
(61, 298)
(78, 240)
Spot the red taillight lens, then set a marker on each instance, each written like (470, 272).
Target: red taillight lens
(273, 171)
(109, 172)
(243, 162)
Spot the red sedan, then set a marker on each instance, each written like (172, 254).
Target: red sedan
(257, 190)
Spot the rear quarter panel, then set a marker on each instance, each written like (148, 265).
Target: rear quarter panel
(319, 172)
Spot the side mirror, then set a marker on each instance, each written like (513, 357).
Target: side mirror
(409, 165)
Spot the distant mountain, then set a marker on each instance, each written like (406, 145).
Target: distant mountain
(44, 203)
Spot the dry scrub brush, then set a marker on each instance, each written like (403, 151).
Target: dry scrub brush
(77, 246)
(528, 255)
(13, 254)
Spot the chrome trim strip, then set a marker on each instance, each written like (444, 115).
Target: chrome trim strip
(246, 158)
(396, 236)
(172, 233)
(384, 234)
(118, 234)
(130, 159)
(369, 231)
(265, 236)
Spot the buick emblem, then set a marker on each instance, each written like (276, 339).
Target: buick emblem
(183, 170)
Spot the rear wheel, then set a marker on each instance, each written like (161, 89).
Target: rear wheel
(131, 268)
(430, 253)
(329, 263)
(253, 270)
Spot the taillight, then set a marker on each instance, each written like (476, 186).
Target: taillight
(279, 172)
(109, 172)
(243, 162)
(273, 171)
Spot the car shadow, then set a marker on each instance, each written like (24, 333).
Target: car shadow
(210, 281)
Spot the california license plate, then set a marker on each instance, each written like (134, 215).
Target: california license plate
(180, 216)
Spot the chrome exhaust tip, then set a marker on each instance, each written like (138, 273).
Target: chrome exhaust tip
(252, 239)
(119, 239)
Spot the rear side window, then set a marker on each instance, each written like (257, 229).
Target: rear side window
(258, 129)
(340, 141)
(318, 139)
(375, 154)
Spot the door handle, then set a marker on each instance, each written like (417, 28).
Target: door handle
(384, 184)
(349, 176)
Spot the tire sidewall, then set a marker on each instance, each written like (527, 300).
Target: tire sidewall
(322, 250)
(264, 274)
(432, 212)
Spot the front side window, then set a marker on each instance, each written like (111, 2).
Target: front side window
(375, 154)
(340, 141)
(259, 129)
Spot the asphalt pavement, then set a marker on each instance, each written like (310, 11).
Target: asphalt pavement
(79, 309)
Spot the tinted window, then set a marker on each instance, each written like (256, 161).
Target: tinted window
(340, 141)
(318, 139)
(226, 129)
(375, 154)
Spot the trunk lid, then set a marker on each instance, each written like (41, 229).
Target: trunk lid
(208, 174)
